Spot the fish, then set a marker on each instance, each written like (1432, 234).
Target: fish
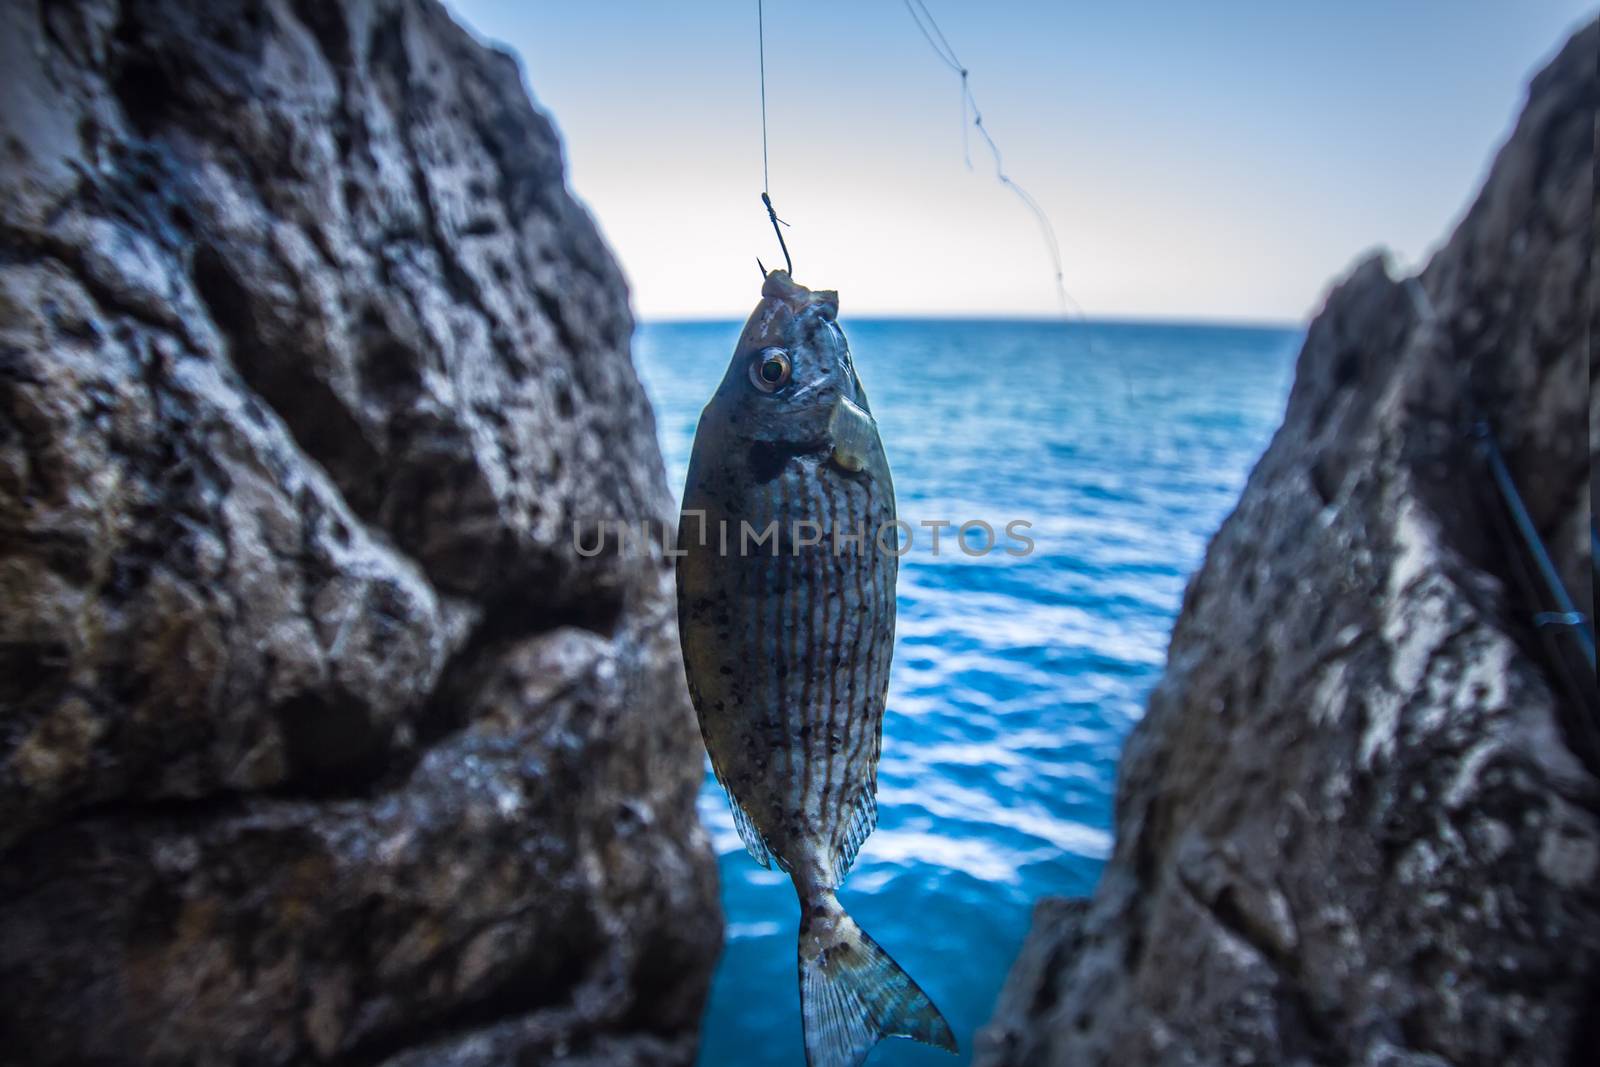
(787, 554)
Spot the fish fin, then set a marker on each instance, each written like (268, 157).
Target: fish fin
(754, 842)
(853, 995)
(863, 820)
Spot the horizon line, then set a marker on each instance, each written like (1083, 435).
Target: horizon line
(1010, 317)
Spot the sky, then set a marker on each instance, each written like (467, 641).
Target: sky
(1220, 161)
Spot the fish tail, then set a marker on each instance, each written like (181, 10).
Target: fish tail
(852, 995)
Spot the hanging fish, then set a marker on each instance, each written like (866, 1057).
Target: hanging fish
(786, 614)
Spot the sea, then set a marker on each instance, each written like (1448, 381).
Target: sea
(1020, 665)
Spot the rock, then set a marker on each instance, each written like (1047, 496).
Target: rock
(319, 738)
(1030, 990)
(1360, 821)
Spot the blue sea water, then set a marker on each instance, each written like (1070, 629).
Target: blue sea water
(1016, 678)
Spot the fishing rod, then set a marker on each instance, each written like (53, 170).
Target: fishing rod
(1541, 584)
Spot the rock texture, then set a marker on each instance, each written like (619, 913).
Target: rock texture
(1360, 822)
(319, 739)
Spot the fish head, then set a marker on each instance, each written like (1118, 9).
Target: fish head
(791, 387)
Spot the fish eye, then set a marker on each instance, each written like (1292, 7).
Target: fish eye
(770, 370)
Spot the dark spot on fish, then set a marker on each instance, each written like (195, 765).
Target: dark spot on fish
(726, 669)
(767, 461)
(817, 911)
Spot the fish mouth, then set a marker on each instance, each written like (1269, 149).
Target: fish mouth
(854, 434)
(797, 298)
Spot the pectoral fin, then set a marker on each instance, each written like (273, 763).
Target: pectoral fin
(854, 435)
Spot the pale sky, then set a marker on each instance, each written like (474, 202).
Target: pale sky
(1214, 161)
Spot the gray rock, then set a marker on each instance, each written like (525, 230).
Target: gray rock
(318, 736)
(1360, 820)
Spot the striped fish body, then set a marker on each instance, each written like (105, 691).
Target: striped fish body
(786, 598)
(787, 647)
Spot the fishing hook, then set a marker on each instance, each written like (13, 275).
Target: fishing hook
(773, 215)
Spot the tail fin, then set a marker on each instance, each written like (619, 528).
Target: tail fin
(852, 995)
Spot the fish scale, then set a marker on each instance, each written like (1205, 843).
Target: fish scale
(787, 645)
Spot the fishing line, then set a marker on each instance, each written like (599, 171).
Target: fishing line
(941, 47)
(766, 177)
(966, 151)
(761, 53)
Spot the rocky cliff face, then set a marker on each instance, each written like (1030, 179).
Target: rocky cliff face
(318, 737)
(1360, 822)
